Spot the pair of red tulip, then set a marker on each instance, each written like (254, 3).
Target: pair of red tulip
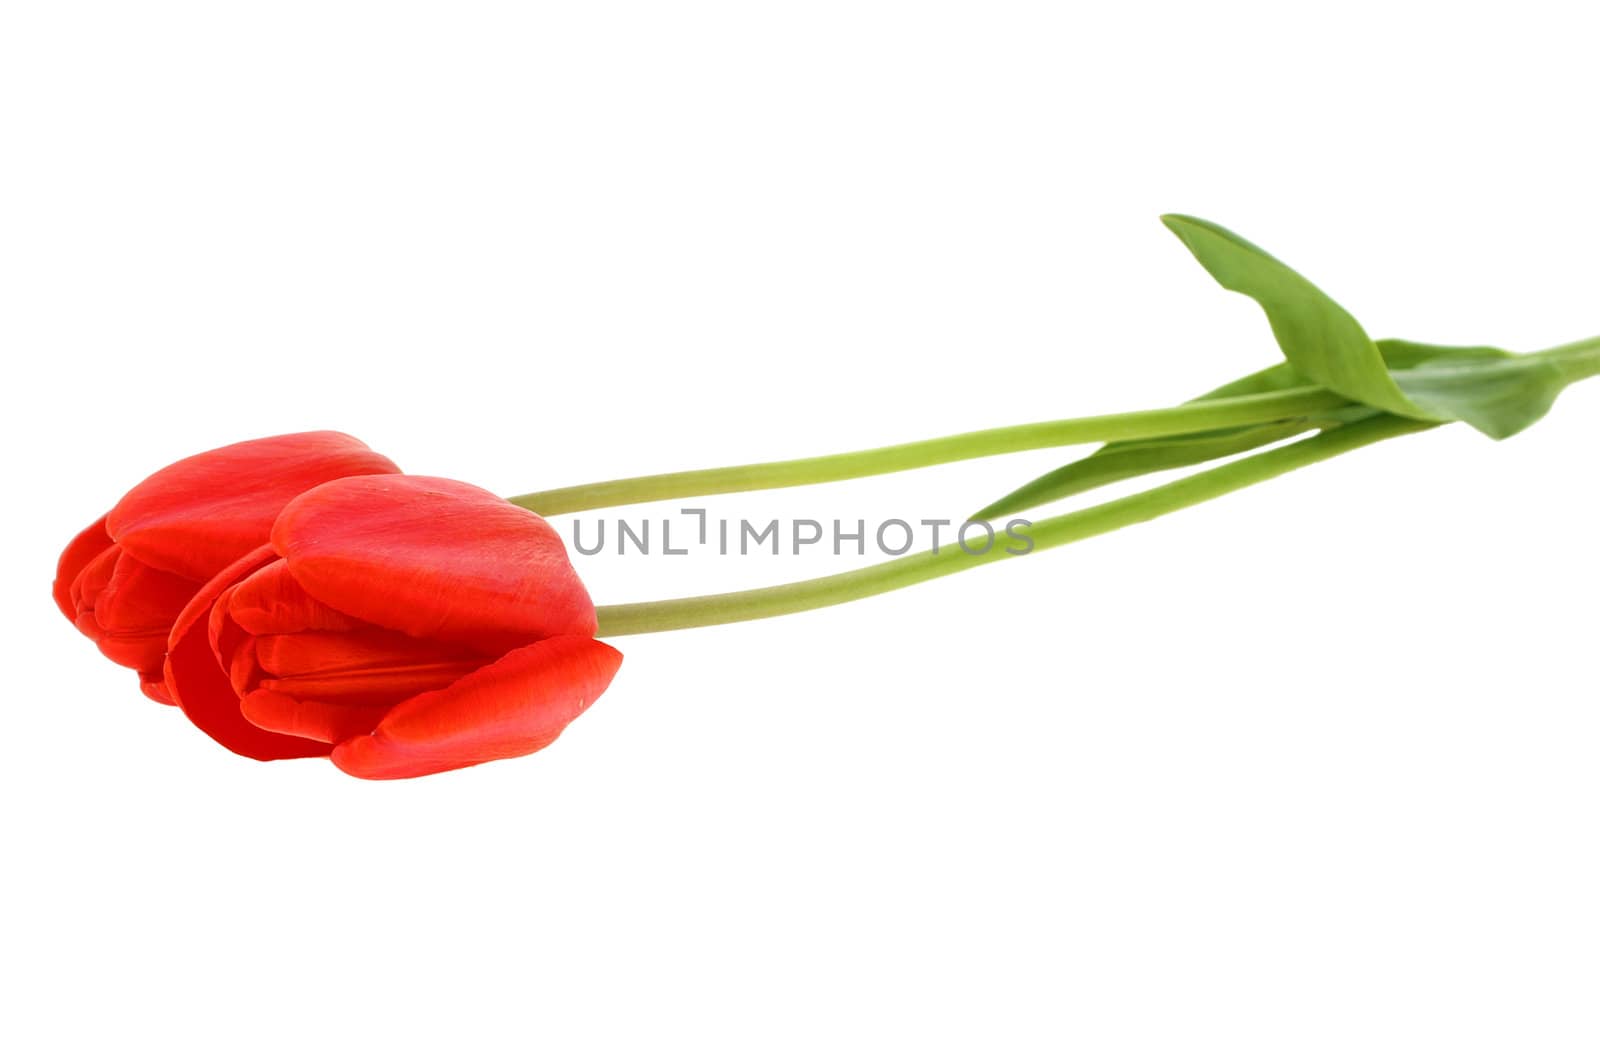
(298, 596)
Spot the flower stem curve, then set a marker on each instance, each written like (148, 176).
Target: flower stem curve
(669, 614)
(1200, 416)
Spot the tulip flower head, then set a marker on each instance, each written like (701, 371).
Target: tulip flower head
(401, 625)
(125, 578)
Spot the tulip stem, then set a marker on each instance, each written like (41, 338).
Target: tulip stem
(666, 615)
(1199, 416)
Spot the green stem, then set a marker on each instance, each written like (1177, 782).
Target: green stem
(1575, 361)
(1201, 416)
(637, 617)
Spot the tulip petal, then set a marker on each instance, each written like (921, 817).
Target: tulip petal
(87, 587)
(141, 600)
(84, 548)
(270, 602)
(436, 559)
(141, 652)
(197, 515)
(154, 687)
(513, 707)
(200, 685)
(368, 667)
(240, 661)
(321, 721)
(126, 607)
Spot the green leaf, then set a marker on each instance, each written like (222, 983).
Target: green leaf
(1494, 391)
(1134, 458)
(1123, 461)
(1503, 392)
(1318, 336)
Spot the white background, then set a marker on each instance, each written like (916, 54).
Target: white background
(1306, 774)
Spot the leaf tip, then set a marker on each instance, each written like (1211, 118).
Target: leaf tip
(1186, 223)
(1186, 227)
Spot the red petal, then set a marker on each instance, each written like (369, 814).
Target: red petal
(201, 688)
(87, 587)
(84, 548)
(142, 653)
(513, 707)
(243, 673)
(436, 559)
(321, 721)
(270, 602)
(132, 630)
(141, 600)
(154, 687)
(196, 516)
(126, 607)
(369, 667)
(221, 631)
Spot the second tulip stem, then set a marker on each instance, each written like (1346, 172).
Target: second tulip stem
(665, 615)
(1201, 416)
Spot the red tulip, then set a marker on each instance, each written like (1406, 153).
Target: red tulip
(401, 625)
(125, 578)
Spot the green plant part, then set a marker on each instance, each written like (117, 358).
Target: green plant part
(1336, 384)
(1494, 391)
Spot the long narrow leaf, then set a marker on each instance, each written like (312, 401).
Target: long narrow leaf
(1124, 460)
